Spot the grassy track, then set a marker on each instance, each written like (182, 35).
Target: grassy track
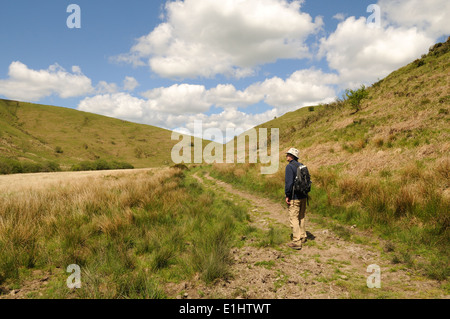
(418, 230)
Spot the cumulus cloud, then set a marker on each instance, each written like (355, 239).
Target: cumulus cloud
(205, 38)
(226, 95)
(178, 99)
(118, 105)
(104, 87)
(429, 16)
(140, 110)
(231, 120)
(303, 87)
(130, 83)
(339, 16)
(363, 54)
(208, 37)
(32, 85)
(180, 105)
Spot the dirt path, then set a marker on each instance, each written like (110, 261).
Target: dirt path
(326, 267)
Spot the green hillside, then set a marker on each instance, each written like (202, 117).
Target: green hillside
(404, 118)
(32, 133)
(384, 167)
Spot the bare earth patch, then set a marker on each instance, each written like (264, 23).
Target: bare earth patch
(32, 288)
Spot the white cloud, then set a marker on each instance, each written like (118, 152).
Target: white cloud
(429, 16)
(118, 105)
(32, 85)
(226, 95)
(76, 69)
(232, 37)
(178, 99)
(231, 118)
(182, 104)
(302, 88)
(130, 83)
(128, 107)
(363, 54)
(104, 87)
(339, 16)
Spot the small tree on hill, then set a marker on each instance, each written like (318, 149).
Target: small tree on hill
(354, 97)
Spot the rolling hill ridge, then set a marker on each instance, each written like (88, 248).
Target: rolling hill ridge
(34, 133)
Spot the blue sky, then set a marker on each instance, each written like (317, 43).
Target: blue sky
(228, 63)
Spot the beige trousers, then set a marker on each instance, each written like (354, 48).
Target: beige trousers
(297, 210)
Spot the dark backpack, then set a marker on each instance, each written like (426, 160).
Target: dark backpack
(302, 182)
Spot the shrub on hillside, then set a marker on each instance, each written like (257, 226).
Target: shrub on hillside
(100, 165)
(355, 97)
(13, 166)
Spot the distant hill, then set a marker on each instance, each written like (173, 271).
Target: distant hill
(33, 133)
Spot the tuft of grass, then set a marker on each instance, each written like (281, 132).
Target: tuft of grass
(212, 252)
(274, 237)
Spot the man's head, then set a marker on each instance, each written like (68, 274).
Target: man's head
(292, 154)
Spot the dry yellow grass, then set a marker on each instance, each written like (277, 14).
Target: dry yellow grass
(41, 181)
(32, 204)
(117, 225)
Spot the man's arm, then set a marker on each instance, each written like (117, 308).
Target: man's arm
(288, 183)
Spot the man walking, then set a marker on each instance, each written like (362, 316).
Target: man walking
(296, 202)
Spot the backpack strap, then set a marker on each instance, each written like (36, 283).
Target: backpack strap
(296, 164)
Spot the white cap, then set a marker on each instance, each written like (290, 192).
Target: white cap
(293, 151)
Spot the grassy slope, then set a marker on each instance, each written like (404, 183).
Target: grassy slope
(384, 168)
(31, 132)
(403, 126)
(405, 118)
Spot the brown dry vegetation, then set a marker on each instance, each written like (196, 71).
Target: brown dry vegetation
(129, 231)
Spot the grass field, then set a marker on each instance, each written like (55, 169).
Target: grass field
(129, 231)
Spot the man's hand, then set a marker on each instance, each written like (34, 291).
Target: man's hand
(288, 201)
